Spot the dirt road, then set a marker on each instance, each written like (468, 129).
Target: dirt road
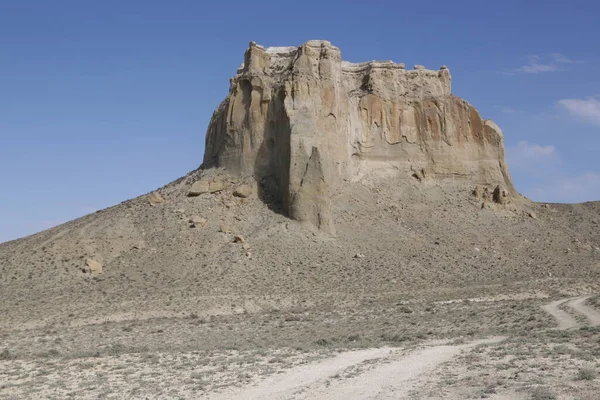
(577, 304)
(384, 373)
(563, 318)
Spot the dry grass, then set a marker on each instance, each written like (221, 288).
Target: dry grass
(193, 303)
(538, 363)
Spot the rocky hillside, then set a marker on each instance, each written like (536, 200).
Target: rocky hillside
(407, 183)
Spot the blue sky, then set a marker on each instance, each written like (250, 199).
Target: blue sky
(102, 101)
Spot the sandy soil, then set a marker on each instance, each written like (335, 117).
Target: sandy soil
(579, 306)
(539, 362)
(190, 312)
(367, 374)
(385, 373)
(563, 318)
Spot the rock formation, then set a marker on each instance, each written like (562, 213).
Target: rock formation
(302, 121)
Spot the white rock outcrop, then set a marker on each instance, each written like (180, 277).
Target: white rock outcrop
(302, 121)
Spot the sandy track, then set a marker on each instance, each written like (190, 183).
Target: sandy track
(577, 304)
(365, 374)
(563, 318)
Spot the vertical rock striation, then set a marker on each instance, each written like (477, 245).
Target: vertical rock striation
(302, 121)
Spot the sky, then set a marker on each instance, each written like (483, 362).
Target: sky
(103, 101)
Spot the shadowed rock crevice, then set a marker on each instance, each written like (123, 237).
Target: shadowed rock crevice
(271, 166)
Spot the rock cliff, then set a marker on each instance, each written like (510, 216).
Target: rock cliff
(301, 121)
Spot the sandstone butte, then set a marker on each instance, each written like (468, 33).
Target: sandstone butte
(301, 121)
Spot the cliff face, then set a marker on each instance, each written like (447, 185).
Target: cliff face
(302, 121)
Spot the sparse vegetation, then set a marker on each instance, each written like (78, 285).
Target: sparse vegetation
(276, 310)
(587, 374)
(5, 355)
(542, 393)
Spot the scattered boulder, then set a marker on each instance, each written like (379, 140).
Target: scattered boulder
(92, 267)
(216, 185)
(197, 222)
(225, 228)
(155, 199)
(481, 193)
(532, 215)
(419, 175)
(238, 239)
(198, 188)
(206, 185)
(359, 255)
(243, 191)
(500, 195)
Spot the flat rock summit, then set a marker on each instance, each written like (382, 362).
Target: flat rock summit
(302, 122)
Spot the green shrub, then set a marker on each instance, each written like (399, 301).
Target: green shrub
(542, 393)
(5, 355)
(586, 374)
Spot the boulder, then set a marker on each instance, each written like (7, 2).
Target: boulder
(92, 267)
(155, 198)
(197, 222)
(500, 195)
(238, 239)
(198, 188)
(243, 191)
(223, 228)
(216, 185)
(419, 175)
(481, 193)
(206, 185)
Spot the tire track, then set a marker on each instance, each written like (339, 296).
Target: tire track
(565, 320)
(391, 374)
(578, 304)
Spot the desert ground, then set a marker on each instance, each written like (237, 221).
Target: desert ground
(425, 292)
(534, 348)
